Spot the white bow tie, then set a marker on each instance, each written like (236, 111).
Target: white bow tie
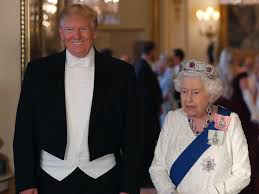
(77, 62)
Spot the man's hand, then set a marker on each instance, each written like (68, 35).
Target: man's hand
(30, 191)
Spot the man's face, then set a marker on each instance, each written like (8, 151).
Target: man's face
(78, 34)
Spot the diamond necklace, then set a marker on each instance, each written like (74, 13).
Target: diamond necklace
(193, 128)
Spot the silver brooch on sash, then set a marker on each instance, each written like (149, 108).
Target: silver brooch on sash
(208, 164)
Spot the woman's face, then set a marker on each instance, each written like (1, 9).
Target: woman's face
(194, 97)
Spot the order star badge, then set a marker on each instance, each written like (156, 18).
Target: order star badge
(208, 164)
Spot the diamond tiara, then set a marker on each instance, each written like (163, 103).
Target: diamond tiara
(193, 65)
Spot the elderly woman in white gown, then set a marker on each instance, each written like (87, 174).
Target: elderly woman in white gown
(202, 148)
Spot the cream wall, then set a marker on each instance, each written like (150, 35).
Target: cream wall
(9, 71)
(173, 25)
(135, 13)
(197, 44)
(181, 30)
(135, 25)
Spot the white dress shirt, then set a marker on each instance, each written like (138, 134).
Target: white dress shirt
(229, 170)
(79, 86)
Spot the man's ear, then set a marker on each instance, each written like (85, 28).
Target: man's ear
(61, 33)
(95, 34)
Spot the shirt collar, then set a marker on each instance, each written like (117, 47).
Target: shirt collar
(87, 61)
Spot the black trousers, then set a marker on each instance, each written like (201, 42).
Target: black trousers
(80, 183)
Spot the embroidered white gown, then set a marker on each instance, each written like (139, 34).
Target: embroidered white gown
(228, 171)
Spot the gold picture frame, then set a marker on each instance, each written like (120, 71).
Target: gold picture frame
(25, 35)
(239, 30)
(38, 39)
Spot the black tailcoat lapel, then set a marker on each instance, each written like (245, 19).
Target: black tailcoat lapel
(101, 80)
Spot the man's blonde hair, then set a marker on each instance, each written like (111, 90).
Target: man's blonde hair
(80, 10)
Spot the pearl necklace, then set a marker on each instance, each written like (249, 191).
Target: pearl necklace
(193, 128)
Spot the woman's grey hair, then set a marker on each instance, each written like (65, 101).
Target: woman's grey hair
(213, 86)
(80, 10)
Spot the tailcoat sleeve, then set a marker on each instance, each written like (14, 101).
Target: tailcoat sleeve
(130, 141)
(24, 137)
